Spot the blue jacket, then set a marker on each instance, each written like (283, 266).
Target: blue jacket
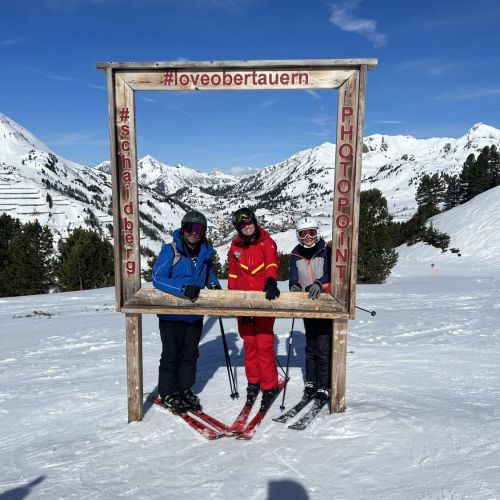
(171, 279)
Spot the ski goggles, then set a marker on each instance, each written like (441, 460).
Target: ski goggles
(245, 223)
(194, 227)
(305, 233)
(242, 217)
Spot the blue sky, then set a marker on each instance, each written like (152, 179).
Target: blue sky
(438, 73)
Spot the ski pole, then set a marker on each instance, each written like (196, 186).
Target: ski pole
(280, 365)
(232, 385)
(366, 310)
(282, 407)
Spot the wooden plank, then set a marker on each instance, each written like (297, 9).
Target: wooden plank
(133, 331)
(128, 215)
(115, 193)
(370, 63)
(357, 189)
(339, 364)
(236, 79)
(344, 191)
(235, 303)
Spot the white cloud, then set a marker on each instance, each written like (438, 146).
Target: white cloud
(240, 170)
(389, 122)
(75, 139)
(344, 18)
(469, 94)
(10, 41)
(314, 94)
(433, 67)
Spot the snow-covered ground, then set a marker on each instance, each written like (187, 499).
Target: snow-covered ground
(423, 396)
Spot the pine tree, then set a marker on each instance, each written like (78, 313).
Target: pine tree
(430, 194)
(147, 274)
(86, 261)
(29, 263)
(466, 179)
(452, 194)
(480, 174)
(376, 255)
(493, 167)
(284, 266)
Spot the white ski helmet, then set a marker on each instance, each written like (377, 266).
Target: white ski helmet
(303, 224)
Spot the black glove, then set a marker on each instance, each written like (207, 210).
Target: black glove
(315, 290)
(215, 287)
(191, 291)
(296, 288)
(271, 289)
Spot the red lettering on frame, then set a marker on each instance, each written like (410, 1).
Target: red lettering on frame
(128, 225)
(128, 252)
(348, 153)
(341, 268)
(342, 202)
(125, 162)
(344, 186)
(346, 134)
(129, 238)
(343, 221)
(341, 256)
(125, 130)
(128, 208)
(130, 267)
(125, 146)
(346, 111)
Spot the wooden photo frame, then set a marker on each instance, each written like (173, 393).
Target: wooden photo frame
(123, 80)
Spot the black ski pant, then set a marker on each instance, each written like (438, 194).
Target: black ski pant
(179, 355)
(318, 351)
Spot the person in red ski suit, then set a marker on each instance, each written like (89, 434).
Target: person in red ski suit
(253, 265)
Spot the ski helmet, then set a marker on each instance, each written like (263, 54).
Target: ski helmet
(307, 226)
(243, 215)
(195, 217)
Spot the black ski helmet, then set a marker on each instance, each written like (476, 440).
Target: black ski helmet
(241, 215)
(194, 216)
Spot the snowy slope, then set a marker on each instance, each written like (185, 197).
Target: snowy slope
(474, 230)
(423, 404)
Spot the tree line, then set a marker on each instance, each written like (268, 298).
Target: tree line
(31, 264)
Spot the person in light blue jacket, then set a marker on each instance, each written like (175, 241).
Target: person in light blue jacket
(183, 268)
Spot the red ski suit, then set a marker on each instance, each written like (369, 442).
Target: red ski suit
(250, 265)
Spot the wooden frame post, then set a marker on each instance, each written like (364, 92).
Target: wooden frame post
(124, 79)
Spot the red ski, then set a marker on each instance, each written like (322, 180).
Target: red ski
(255, 422)
(205, 430)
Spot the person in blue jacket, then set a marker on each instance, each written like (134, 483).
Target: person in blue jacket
(183, 268)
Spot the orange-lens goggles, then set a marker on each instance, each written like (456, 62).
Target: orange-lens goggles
(304, 233)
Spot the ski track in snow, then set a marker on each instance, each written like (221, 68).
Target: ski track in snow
(423, 392)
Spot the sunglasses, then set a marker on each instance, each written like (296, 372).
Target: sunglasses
(304, 233)
(194, 227)
(245, 223)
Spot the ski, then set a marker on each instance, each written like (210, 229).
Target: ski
(303, 422)
(239, 424)
(205, 430)
(294, 410)
(250, 429)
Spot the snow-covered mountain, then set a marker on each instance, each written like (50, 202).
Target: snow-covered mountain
(37, 183)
